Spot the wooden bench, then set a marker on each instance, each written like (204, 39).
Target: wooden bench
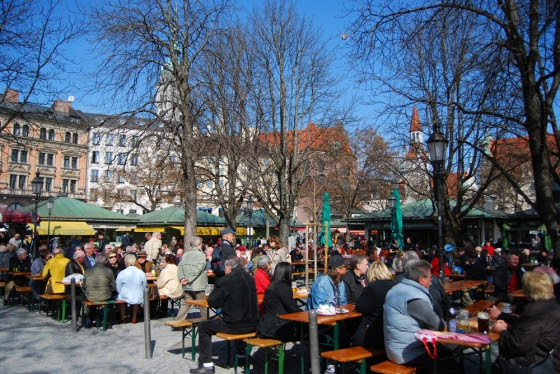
(352, 354)
(230, 337)
(95, 304)
(59, 300)
(265, 343)
(489, 290)
(479, 306)
(389, 367)
(187, 326)
(24, 292)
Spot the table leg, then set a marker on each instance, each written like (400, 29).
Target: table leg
(335, 343)
(489, 359)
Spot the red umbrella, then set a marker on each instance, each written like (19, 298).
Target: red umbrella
(9, 215)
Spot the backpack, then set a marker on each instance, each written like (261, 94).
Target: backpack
(218, 262)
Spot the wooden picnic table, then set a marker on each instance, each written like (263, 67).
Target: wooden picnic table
(460, 285)
(521, 294)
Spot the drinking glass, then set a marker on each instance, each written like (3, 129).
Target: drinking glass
(506, 308)
(483, 322)
(463, 320)
(208, 290)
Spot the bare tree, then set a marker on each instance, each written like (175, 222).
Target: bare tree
(293, 88)
(468, 65)
(153, 52)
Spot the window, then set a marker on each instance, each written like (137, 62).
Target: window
(73, 184)
(21, 184)
(43, 133)
(173, 160)
(65, 185)
(41, 159)
(51, 135)
(95, 157)
(23, 156)
(110, 139)
(19, 156)
(122, 159)
(209, 184)
(17, 129)
(122, 140)
(108, 157)
(50, 159)
(74, 162)
(13, 181)
(96, 138)
(75, 138)
(25, 130)
(94, 175)
(134, 160)
(135, 140)
(48, 184)
(66, 162)
(15, 155)
(108, 174)
(67, 137)
(121, 179)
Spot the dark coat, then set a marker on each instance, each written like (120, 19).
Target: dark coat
(370, 304)
(353, 285)
(236, 294)
(116, 269)
(476, 267)
(533, 334)
(21, 266)
(502, 277)
(73, 268)
(278, 299)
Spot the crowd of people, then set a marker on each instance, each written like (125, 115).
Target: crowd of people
(397, 290)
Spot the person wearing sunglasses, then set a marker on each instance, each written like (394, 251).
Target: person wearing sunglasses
(113, 263)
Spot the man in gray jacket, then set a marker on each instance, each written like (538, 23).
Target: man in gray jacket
(191, 272)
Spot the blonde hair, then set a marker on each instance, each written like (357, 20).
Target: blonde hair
(538, 286)
(378, 271)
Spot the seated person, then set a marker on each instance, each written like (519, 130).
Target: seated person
(507, 277)
(37, 266)
(143, 264)
(530, 337)
(236, 294)
(407, 309)
(98, 284)
(75, 266)
(296, 254)
(20, 263)
(370, 303)
(168, 283)
(114, 264)
(54, 271)
(329, 288)
(130, 286)
(355, 278)
(262, 278)
(278, 299)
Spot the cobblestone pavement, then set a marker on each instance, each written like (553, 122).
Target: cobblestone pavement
(34, 343)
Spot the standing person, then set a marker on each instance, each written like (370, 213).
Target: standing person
(277, 252)
(54, 271)
(126, 240)
(355, 279)
(130, 287)
(507, 277)
(407, 309)
(278, 299)
(191, 272)
(153, 246)
(370, 303)
(328, 288)
(173, 244)
(223, 251)
(236, 294)
(102, 241)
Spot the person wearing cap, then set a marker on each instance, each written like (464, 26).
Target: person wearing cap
(142, 262)
(228, 239)
(328, 288)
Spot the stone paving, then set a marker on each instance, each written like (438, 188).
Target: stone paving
(34, 343)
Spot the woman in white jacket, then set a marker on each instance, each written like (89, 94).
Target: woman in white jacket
(168, 283)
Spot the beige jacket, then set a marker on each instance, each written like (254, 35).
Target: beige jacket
(168, 283)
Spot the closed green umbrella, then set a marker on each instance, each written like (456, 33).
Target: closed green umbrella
(326, 221)
(397, 224)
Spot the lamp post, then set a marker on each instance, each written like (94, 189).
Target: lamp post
(249, 208)
(437, 146)
(50, 204)
(37, 188)
(392, 203)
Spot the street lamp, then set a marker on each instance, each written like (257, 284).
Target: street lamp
(37, 188)
(437, 146)
(249, 210)
(50, 204)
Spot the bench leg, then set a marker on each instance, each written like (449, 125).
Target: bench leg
(281, 360)
(247, 358)
(105, 313)
(194, 333)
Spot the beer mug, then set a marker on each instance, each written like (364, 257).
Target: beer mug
(483, 322)
(463, 320)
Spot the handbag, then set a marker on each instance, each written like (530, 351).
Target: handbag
(543, 366)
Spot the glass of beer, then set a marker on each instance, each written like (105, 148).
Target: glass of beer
(483, 322)
(463, 321)
(294, 287)
(506, 308)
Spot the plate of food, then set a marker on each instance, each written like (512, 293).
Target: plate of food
(342, 310)
(326, 310)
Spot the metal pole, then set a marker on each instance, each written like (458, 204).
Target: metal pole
(73, 304)
(314, 342)
(147, 330)
(440, 221)
(34, 248)
(49, 230)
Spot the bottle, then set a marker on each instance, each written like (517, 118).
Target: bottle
(452, 320)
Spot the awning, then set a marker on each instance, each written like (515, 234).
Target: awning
(64, 228)
(149, 229)
(209, 230)
(125, 228)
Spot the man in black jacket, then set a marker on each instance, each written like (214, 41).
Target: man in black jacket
(508, 276)
(236, 294)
